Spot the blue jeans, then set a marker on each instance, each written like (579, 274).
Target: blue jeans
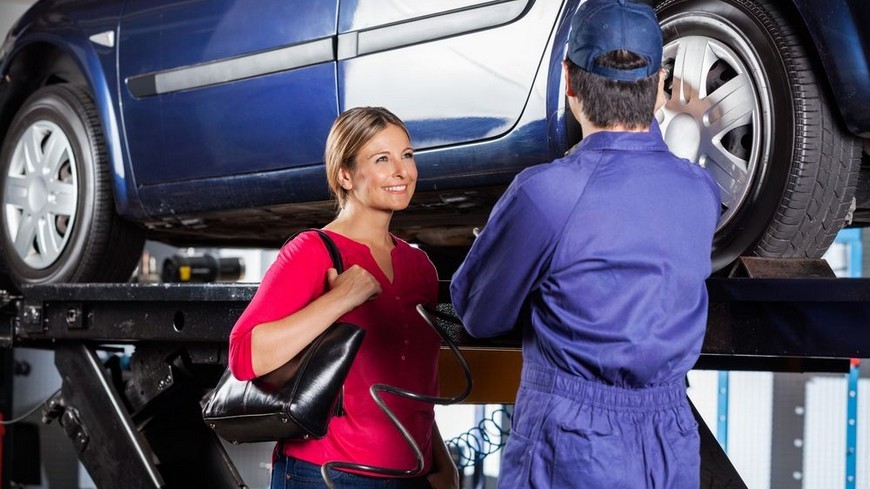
(291, 473)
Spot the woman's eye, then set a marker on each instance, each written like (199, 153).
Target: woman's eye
(381, 159)
(408, 155)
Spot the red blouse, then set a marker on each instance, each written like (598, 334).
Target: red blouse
(399, 348)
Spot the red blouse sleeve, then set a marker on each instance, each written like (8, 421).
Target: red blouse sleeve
(432, 280)
(297, 277)
(427, 275)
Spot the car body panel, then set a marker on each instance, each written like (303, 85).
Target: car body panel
(450, 170)
(496, 108)
(433, 123)
(66, 27)
(257, 117)
(486, 58)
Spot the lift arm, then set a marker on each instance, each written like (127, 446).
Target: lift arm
(145, 418)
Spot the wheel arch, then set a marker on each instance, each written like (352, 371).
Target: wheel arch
(562, 128)
(809, 198)
(840, 47)
(47, 60)
(835, 44)
(26, 70)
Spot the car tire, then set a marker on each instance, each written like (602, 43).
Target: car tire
(745, 102)
(58, 223)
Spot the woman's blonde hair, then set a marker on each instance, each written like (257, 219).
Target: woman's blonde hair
(350, 132)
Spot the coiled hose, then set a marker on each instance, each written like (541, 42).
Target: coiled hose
(488, 437)
(376, 389)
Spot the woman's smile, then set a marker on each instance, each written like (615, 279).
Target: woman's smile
(385, 165)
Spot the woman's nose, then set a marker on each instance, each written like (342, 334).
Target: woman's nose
(401, 168)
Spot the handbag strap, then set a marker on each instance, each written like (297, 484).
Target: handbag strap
(331, 247)
(338, 264)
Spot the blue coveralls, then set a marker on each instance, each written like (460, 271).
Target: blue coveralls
(601, 256)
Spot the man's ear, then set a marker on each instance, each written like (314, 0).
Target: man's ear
(569, 91)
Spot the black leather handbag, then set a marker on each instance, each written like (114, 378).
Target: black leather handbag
(297, 400)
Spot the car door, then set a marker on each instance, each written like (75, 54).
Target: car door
(455, 71)
(211, 88)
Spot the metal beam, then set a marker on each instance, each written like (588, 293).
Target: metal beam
(144, 427)
(717, 471)
(797, 318)
(164, 444)
(93, 416)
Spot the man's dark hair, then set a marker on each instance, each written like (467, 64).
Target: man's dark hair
(606, 102)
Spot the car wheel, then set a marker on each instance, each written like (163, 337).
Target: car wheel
(58, 222)
(745, 103)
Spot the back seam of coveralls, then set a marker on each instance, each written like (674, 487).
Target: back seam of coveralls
(595, 165)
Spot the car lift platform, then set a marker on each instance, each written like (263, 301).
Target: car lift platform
(141, 424)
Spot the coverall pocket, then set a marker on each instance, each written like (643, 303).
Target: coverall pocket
(684, 443)
(590, 458)
(683, 433)
(516, 462)
(530, 410)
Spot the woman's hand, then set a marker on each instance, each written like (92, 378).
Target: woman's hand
(356, 285)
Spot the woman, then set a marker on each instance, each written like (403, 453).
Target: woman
(370, 169)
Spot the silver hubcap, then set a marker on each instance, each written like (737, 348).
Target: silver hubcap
(715, 116)
(40, 195)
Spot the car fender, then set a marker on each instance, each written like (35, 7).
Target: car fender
(92, 54)
(834, 31)
(842, 48)
(559, 120)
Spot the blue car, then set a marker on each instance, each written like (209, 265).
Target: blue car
(203, 122)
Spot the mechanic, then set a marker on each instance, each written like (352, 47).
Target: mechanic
(601, 257)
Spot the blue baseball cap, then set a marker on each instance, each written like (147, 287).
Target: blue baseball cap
(602, 26)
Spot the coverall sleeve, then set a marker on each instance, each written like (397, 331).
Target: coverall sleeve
(506, 261)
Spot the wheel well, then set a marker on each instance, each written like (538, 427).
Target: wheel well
(791, 13)
(35, 66)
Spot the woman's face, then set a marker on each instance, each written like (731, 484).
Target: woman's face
(385, 174)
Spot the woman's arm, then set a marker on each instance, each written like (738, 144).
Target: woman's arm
(444, 474)
(276, 342)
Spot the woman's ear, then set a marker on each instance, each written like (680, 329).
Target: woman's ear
(344, 178)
